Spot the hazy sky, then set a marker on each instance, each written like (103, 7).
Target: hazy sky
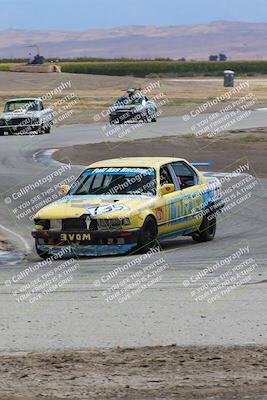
(85, 14)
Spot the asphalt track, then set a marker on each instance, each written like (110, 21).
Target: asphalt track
(80, 314)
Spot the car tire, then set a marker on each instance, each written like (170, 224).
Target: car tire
(43, 254)
(148, 235)
(147, 118)
(40, 131)
(47, 130)
(207, 229)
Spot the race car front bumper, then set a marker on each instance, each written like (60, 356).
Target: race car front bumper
(123, 116)
(93, 243)
(19, 129)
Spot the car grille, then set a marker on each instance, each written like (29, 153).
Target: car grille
(78, 224)
(122, 112)
(18, 121)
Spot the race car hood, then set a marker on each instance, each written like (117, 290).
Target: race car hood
(96, 206)
(126, 108)
(19, 114)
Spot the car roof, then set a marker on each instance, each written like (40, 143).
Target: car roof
(153, 162)
(25, 99)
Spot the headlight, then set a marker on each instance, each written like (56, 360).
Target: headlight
(113, 223)
(125, 221)
(42, 224)
(55, 224)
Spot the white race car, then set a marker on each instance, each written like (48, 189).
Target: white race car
(25, 115)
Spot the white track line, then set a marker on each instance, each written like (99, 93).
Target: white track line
(26, 244)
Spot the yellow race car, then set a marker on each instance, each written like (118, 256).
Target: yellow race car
(117, 206)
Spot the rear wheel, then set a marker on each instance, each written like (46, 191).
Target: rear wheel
(148, 235)
(207, 229)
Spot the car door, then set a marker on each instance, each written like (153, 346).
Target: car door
(169, 210)
(191, 196)
(150, 106)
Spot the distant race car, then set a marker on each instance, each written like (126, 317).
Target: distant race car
(119, 205)
(133, 107)
(25, 115)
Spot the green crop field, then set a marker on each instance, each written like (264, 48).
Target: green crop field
(4, 67)
(178, 68)
(143, 68)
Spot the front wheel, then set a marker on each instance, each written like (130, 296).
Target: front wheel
(148, 235)
(147, 118)
(40, 130)
(207, 229)
(43, 254)
(154, 118)
(47, 129)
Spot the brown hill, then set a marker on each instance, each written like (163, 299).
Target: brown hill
(239, 40)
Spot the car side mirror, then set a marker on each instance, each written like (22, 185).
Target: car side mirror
(64, 189)
(167, 189)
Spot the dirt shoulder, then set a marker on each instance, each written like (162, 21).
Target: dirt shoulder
(143, 373)
(225, 152)
(91, 94)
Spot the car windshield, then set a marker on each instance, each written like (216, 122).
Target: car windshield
(138, 100)
(122, 101)
(116, 181)
(23, 105)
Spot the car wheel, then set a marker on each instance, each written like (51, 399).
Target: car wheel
(147, 118)
(207, 229)
(43, 254)
(148, 235)
(40, 131)
(154, 118)
(47, 129)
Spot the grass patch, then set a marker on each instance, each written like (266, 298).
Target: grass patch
(252, 139)
(236, 131)
(4, 67)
